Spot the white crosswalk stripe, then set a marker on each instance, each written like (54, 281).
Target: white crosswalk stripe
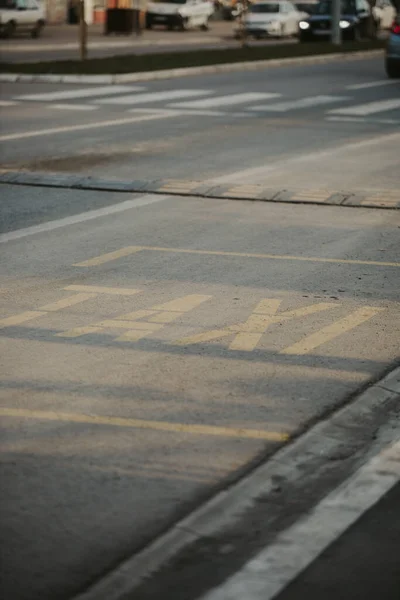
(72, 106)
(300, 103)
(370, 108)
(81, 93)
(226, 100)
(371, 84)
(153, 97)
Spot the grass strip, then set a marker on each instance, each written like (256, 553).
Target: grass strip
(137, 63)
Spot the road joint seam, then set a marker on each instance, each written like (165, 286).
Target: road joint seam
(251, 192)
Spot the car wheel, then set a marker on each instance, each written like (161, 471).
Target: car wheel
(149, 24)
(184, 24)
(205, 26)
(392, 70)
(356, 37)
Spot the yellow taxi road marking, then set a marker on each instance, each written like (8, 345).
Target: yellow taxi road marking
(249, 334)
(104, 258)
(95, 289)
(129, 325)
(21, 318)
(330, 332)
(236, 432)
(157, 316)
(182, 304)
(70, 301)
(78, 331)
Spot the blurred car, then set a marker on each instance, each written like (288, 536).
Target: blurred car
(384, 13)
(307, 8)
(268, 18)
(392, 57)
(181, 14)
(21, 15)
(354, 22)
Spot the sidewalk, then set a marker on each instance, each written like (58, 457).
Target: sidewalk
(363, 564)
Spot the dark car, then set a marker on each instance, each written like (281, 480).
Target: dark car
(355, 21)
(392, 58)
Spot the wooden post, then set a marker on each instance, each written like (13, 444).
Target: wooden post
(82, 31)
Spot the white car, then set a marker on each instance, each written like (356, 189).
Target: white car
(21, 15)
(384, 13)
(268, 18)
(183, 14)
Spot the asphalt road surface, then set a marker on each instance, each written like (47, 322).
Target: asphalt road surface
(153, 351)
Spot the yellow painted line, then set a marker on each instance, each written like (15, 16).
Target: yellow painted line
(70, 301)
(165, 317)
(95, 289)
(137, 314)
(21, 318)
(236, 432)
(126, 251)
(184, 304)
(104, 258)
(330, 332)
(116, 324)
(78, 331)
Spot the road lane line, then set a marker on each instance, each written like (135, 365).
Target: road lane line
(299, 104)
(371, 84)
(286, 164)
(21, 318)
(369, 108)
(153, 97)
(64, 303)
(104, 258)
(5, 103)
(82, 217)
(97, 289)
(80, 93)
(277, 565)
(73, 106)
(236, 432)
(84, 126)
(131, 249)
(229, 100)
(330, 332)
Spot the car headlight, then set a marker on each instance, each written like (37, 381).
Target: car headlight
(344, 24)
(304, 25)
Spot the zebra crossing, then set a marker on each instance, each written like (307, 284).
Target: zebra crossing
(344, 106)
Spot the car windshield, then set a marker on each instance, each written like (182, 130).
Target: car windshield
(325, 7)
(265, 8)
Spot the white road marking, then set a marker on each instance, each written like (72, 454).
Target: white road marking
(254, 172)
(153, 97)
(363, 120)
(96, 125)
(8, 103)
(81, 93)
(225, 100)
(309, 102)
(81, 217)
(369, 108)
(371, 84)
(72, 106)
(266, 575)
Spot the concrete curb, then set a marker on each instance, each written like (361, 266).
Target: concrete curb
(387, 199)
(325, 439)
(188, 71)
